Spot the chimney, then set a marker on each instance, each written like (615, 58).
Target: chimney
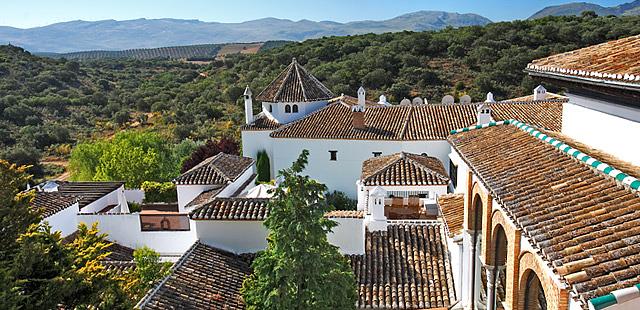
(375, 220)
(357, 117)
(361, 97)
(539, 93)
(484, 110)
(248, 106)
(383, 100)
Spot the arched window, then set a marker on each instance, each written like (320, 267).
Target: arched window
(287, 109)
(270, 108)
(534, 293)
(295, 108)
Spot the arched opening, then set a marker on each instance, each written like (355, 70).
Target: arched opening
(500, 244)
(476, 267)
(534, 298)
(295, 108)
(287, 109)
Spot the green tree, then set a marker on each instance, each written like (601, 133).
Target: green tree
(299, 269)
(263, 167)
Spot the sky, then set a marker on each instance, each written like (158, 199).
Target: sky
(34, 13)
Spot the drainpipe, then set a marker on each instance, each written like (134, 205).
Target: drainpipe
(616, 297)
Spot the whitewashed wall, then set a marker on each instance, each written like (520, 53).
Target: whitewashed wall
(233, 236)
(235, 186)
(65, 221)
(255, 141)
(342, 174)
(125, 230)
(186, 193)
(134, 195)
(108, 199)
(278, 110)
(463, 169)
(348, 235)
(603, 125)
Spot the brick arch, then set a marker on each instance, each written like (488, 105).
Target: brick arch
(499, 219)
(557, 298)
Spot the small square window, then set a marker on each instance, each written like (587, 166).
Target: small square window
(334, 155)
(377, 154)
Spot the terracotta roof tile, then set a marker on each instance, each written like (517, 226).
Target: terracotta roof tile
(584, 222)
(205, 197)
(403, 169)
(356, 214)
(261, 122)
(233, 209)
(406, 267)
(613, 61)
(414, 122)
(452, 209)
(51, 203)
(88, 192)
(295, 84)
(220, 169)
(203, 278)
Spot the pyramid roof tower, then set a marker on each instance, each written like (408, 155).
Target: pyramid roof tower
(295, 84)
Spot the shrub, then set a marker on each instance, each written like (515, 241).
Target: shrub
(263, 167)
(340, 201)
(159, 191)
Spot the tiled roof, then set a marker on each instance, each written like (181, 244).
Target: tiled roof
(406, 267)
(414, 122)
(403, 169)
(220, 169)
(585, 223)
(261, 122)
(295, 84)
(205, 197)
(203, 278)
(356, 214)
(550, 96)
(87, 192)
(610, 61)
(232, 209)
(51, 203)
(452, 209)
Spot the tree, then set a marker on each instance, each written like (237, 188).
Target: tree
(210, 148)
(340, 201)
(263, 167)
(149, 270)
(299, 269)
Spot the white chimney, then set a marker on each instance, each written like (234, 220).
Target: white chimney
(484, 113)
(375, 220)
(539, 93)
(383, 100)
(490, 97)
(361, 97)
(248, 106)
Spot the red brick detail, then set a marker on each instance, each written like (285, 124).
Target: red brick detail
(557, 298)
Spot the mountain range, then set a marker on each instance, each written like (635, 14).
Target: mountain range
(575, 8)
(149, 33)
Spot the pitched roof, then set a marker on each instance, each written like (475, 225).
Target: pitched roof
(205, 197)
(261, 122)
(452, 209)
(219, 169)
(87, 192)
(232, 209)
(203, 278)
(406, 267)
(403, 169)
(295, 84)
(613, 61)
(568, 202)
(51, 203)
(414, 122)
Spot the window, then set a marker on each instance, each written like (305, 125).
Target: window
(270, 108)
(334, 155)
(377, 154)
(453, 174)
(295, 108)
(287, 109)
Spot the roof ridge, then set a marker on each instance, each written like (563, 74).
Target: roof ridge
(585, 159)
(285, 126)
(213, 166)
(286, 77)
(385, 167)
(405, 124)
(297, 68)
(425, 167)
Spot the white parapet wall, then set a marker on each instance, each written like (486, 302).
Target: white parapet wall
(233, 236)
(348, 235)
(134, 195)
(65, 221)
(125, 230)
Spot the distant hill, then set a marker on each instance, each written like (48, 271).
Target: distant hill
(109, 35)
(575, 8)
(201, 52)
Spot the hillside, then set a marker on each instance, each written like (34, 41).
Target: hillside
(47, 105)
(108, 35)
(575, 8)
(204, 52)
